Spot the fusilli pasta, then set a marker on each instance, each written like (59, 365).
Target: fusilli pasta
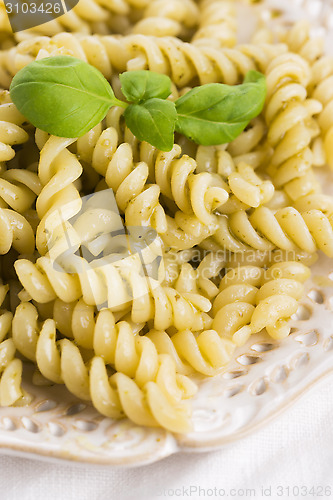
(124, 319)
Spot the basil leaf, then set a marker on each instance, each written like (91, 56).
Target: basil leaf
(139, 86)
(153, 121)
(62, 95)
(216, 113)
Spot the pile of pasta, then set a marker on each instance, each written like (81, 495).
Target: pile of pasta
(239, 224)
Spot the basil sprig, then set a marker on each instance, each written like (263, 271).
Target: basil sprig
(67, 97)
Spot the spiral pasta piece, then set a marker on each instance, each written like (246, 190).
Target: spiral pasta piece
(11, 131)
(205, 353)
(171, 175)
(15, 231)
(58, 170)
(173, 261)
(320, 84)
(6, 35)
(182, 61)
(310, 48)
(248, 148)
(148, 406)
(185, 232)
(291, 126)
(168, 18)
(217, 24)
(111, 284)
(306, 226)
(18, 189)
(148, 394)
(236, 164)
(201, 280)
(135, 198)
(118, 344)
(89, 48)
(247, 187)
(10, 366)
(251, 299)
(194, 194)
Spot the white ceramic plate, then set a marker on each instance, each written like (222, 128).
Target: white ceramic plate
(263, 379)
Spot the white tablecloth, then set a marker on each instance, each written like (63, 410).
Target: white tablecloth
(295, 449)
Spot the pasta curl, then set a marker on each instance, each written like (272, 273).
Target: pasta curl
(217, 24)
(247, 188)
(247, 148)
(306, 226)
(135, 198)
(149, 394)
(15, 231)
(251, 299)
(168, 18)
(18, 189)
(194, 194)
(320, 84)
(110, 284)
(183, 62)
(58, 170)
(291, 126)
(201, 280)
(205, 353)
(117, 343)
(97, 51)
(11, 131)
(10, 367)
(185, 232)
